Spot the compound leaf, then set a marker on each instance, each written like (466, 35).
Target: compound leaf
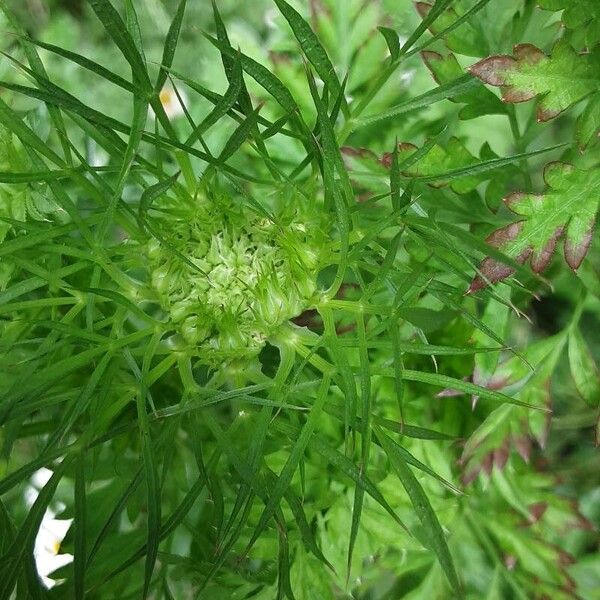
(567, 209)
(561, 79)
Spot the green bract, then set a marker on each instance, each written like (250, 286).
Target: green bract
(246, 275)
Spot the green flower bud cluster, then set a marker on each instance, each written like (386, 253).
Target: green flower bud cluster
(246, 275)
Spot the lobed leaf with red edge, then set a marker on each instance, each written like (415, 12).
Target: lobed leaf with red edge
(566, 209)
(559, 80)
(508, 429)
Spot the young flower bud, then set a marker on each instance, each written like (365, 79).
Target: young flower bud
(252, 275)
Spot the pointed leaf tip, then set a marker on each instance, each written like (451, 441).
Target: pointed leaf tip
(493, 70)
(575, 252)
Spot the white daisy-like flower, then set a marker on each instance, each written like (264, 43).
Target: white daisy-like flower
(171, 103)
(46, 551)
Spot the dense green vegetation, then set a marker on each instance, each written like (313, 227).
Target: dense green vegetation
(300, 299)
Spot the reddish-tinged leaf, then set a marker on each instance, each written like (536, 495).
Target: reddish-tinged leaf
(523, 447)
(560, 80)
(492, 269)
(500, 455)
(576, 249)
(567, 208)
(537, 511)
(508, 428)
(493, 70)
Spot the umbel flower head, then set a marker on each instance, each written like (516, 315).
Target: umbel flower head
(228, 278)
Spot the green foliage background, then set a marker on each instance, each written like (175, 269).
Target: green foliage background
(412, 431)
